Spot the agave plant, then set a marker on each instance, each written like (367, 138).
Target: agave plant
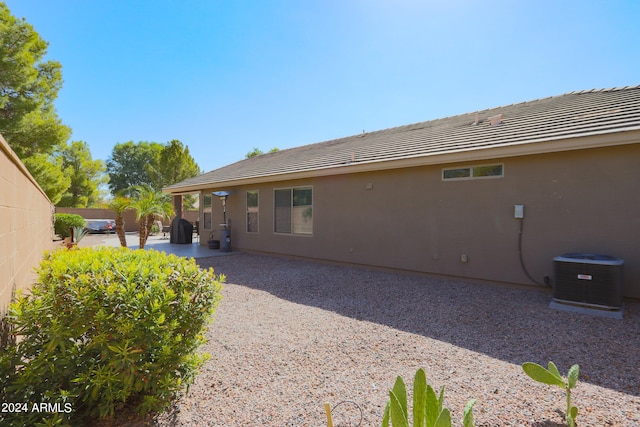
(79, 232)
(428, 410)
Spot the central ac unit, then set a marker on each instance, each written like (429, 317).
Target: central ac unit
(588, 279)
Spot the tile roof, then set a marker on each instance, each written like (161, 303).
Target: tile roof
(563, 117)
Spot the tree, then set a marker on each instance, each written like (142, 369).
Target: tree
(253, 153)
(258, 152)
(28, 87)
(174, 164)
(127, 166)
(49, 173)
(85, 173)
(119, 204)
(149, 205)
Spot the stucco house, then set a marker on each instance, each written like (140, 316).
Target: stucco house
(446, 196)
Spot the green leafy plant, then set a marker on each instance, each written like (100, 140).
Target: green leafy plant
(149, 206)
(63, 223)
(106, 329)
(428, 410)
(119, 205)
(79, 232)
(155, 228)
(552, 376)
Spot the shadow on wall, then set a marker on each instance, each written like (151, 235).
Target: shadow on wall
(5, 329)
(5, 334)
(501, 322)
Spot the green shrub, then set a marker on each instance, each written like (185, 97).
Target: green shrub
(106, 329)
(427, 411)
(63, 222)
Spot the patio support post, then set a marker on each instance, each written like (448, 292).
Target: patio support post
(178, 206)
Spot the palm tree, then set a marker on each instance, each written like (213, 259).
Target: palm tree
(119, 204)
(149, 205)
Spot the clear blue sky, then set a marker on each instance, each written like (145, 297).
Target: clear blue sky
(226, 76)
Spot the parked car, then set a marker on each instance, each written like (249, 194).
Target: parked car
(100, 225)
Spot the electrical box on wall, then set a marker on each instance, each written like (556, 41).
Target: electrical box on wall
(518, 211)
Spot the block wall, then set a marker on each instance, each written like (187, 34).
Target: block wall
(26, 225)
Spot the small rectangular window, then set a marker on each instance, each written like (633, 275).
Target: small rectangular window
(252, 211)
(492, 170)
(456, 173)
(206, 211)
(471, 172)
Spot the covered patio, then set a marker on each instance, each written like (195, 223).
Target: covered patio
(156, 242)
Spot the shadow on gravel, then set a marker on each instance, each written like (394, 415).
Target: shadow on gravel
(514, 325)
(548, 423)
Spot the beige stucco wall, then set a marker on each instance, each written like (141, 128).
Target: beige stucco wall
(26, 227)
(577, 201)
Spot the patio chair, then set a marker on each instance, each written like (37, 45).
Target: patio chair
(165, 229)
(196, 230)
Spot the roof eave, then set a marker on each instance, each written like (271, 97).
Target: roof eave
(523, 148)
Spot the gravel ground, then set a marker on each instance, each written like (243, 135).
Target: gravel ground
(291, 335)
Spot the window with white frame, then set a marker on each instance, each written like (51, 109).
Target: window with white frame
(252, 211)
(206, 211)
(293, 210)
(471, 172)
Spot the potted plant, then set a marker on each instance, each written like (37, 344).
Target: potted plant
(212, 242)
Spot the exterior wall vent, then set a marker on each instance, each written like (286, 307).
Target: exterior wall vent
(590, 280)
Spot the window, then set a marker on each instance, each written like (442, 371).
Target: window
(484, 171)
(293, 210)
(456, 173)
(252, 211)
(206, 211)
